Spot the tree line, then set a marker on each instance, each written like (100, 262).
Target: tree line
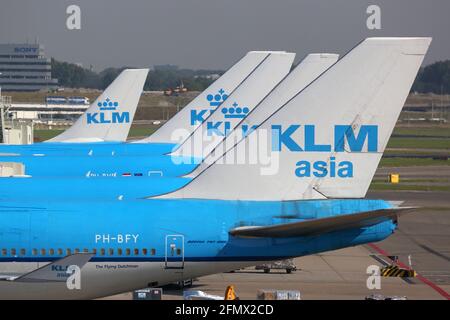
(434, 78)
(160, 77)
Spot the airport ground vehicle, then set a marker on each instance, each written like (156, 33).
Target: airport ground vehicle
(287, 265)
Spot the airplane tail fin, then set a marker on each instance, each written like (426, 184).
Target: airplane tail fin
(304, 73)
(191, 116)
(327, 141)
(109, 118)
(237, 106)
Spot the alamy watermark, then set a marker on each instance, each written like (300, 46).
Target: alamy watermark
(373, 21)
(73, 21)
(374, 279)
(73, 282)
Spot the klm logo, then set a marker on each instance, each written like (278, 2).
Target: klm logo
(199, 116)
(222, 128)
(235, 112)
(59, 268)
(344, 135)
(107, 114)
(60, 271)
(214, 100)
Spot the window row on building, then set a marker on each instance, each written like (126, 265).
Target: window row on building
(26, 77)
(25, 70)
(38, 63)
(15, 56)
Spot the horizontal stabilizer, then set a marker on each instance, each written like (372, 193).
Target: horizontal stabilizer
(321, 226)
(55, 271)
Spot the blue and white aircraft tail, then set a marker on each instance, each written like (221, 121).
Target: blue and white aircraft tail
(109, 118)
(304, 73)
(327, 141)
(269, 69)
(161, 141)
(140, 167)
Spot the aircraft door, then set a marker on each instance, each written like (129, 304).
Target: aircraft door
(174, 257)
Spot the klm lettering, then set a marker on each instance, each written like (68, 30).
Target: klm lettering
(198, 117)
(105, 118)
(345, 140)
(342, 134)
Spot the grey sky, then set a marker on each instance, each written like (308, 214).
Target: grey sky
(213, 34)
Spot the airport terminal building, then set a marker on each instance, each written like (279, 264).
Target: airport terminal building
(24, 67)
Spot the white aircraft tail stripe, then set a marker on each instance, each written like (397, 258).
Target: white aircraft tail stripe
(327, 141)
(109, 118)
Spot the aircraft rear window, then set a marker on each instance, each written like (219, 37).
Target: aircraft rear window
(60, 252)
(23, 252)
(128, 251)
(136, 252)
(4, 252)
(111, 252)
(119, 252)
(68, 252)
(42, 252)
(13, 252)
(52, 252)
(34, 252)
(144, 252)
(153, 252)
(102, 252)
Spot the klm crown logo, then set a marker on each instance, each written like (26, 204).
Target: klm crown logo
(216, 99)
(103, 117)
(108, 105)
(235, 111)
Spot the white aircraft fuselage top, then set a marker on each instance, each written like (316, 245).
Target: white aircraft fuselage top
(209, 100)
(327, 141)
(312, 66)
(109, 118)
(237, 106)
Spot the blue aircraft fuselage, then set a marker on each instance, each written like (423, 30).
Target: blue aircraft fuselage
(105, 166)
(77, 189)
(85, 149)
(120, 231)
